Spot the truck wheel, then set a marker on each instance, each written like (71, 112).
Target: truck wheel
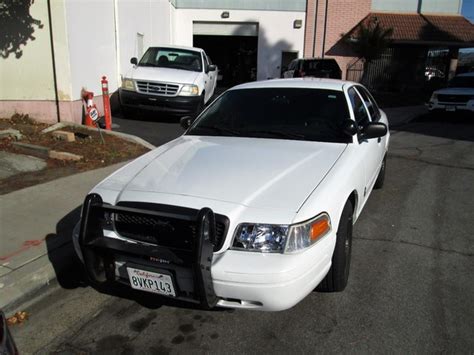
(381, 178)
(126, 112)
(200, 106)
(338, 275)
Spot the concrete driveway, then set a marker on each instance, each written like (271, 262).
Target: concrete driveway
(410, 287)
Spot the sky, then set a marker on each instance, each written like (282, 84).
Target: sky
(468, 9)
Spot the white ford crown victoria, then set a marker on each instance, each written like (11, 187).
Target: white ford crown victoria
(252, 207)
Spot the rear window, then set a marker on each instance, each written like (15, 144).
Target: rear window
(326, 68)
(282, 113)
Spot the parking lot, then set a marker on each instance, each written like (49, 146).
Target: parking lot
(410, 288)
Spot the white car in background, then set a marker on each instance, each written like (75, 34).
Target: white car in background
(252, 207)
(174, 80)
(458, 96)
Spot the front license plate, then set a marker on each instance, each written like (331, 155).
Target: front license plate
(451, 108)
(151, 282)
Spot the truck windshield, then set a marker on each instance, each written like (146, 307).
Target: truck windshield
(277, 113)
(172, 58)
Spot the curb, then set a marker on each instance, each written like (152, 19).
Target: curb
(125, 136)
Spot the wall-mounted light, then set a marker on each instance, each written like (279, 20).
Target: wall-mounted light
(225, 14)
(297, 23)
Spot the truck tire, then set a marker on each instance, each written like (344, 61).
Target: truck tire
(338, 275)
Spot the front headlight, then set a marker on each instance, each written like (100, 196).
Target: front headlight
(189, 90)
(434, 97)
(127, 84)
(281, 238)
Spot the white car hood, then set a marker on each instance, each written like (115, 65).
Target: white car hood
(259, 173)
(456, 91)
(163, 74)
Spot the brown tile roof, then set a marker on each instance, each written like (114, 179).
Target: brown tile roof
(425, 28)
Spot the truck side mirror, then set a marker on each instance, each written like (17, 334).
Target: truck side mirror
(134, 61)
(211, 67)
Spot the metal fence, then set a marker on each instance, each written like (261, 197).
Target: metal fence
(399, 68)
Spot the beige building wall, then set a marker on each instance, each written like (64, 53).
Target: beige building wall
(27, 81)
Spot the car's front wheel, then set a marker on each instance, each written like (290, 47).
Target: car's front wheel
(338, 275)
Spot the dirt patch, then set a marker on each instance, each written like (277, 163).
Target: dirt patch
(88, 144)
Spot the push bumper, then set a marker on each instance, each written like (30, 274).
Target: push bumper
(175, 105)
(189, 265)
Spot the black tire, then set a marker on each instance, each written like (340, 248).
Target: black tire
(381, 178)
(338, 275)
(200, 106)
(127, 113)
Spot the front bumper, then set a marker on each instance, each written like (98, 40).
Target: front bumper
(435, 105)
(235, 279)
(176, 105)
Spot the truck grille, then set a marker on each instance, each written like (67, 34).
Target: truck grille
(164, 231)
(454, 98)
(163, 89)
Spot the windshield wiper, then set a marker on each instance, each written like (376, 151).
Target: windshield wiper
(219, 130)
(278, 133)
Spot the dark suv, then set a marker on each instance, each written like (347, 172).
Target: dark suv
(318, 68)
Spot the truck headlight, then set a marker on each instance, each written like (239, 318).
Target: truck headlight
(128, 84)
(434, 97)
(281, 238)
(189, 90)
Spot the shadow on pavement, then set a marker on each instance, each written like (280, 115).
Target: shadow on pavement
(61, 254)
(457, 126)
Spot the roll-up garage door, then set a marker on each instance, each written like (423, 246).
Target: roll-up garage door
(225, 29)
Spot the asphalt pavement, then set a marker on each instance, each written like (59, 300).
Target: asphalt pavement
(410, 288)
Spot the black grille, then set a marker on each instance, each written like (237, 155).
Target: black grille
(164, 231)
(164, 89)
(454, 98)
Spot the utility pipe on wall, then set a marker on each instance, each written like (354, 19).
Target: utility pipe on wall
(53, 61)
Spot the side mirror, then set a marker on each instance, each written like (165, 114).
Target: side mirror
(350, 128)
(211, 67)
(186, 121)
(374, 130)
(134, 61)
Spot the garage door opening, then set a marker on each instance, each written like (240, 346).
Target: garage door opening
(232, 47)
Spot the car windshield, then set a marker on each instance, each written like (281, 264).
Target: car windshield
(172, 58)
(462, 82)
(281, 113)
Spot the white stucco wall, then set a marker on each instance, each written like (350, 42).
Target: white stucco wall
(151, 18)
(91, 37)
(276, 33)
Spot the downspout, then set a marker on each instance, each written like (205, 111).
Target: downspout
(315, 26)
(53, 57)
(325, 25)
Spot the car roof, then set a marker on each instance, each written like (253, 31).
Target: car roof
(466, 74)
(181, 47)
(302, 83)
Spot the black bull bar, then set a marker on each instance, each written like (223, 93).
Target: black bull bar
(101, 253)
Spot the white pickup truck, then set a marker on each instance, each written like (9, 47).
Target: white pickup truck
(175, 80)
